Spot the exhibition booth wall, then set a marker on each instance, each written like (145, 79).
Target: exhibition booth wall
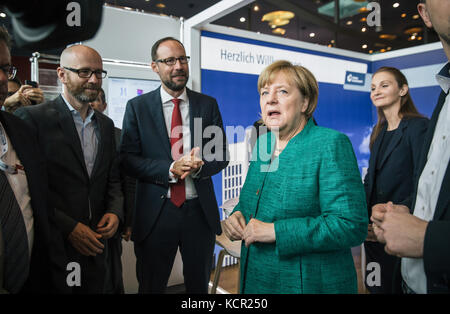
(230, 66)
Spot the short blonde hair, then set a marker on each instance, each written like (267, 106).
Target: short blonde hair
(300, 76)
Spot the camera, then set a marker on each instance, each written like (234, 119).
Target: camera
(42, 25)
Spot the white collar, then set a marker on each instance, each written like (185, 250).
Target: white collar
(443, 78)
(166, 97)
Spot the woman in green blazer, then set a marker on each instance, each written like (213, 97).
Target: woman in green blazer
(302, 206)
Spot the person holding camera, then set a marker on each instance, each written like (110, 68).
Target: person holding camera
(22, 95)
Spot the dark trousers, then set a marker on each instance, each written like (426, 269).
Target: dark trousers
(185, 227)
(375, 253)
(93, 270)
(113, 277)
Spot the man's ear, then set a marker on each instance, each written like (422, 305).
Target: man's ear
(155, 67)
(60, 73)
(422, 8)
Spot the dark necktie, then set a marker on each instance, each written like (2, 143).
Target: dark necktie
(16, 263)
(177, 190)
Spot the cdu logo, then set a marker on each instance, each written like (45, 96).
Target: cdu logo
(355, 78)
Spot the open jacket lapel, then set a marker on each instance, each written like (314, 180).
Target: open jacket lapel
(393, 143)
(195, 112)
(444, 198)
(101, 142)
(70, 132)
(156, 113)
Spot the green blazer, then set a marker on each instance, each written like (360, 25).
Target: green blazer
(314, 194)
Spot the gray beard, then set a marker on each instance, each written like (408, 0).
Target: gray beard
(84, 98)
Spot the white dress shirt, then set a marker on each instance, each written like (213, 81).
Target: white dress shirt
(88, 133)
(168, 106)
(19, 184)
(430, 183)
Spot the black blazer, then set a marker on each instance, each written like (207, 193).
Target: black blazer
(48, 261)
(145, 155)
(128, 190)
(75, 196)
(394, 179)
(436, 251)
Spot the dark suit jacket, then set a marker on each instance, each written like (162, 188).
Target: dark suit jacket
(76, 196)
(48, 260)
(394, 180)
(145, 155)
(128, 189)
(436, 251)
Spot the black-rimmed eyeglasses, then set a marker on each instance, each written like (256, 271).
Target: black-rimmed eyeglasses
(87, 73)
(173, 61)
(9, 70)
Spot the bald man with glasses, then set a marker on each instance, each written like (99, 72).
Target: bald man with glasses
(79, 146)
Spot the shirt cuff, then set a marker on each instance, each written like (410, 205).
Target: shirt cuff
(197, 173)
(172, 178)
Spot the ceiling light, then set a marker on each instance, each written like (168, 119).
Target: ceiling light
(2, 14)
(160, 5)
(363, 29)
(279, 31)
(413, 30)
(332, 41)
(387, 36)
(242, 19)
(382, 50)
(256, 8)
(349, 23)
(396, 5)
(370, 51)
(403, 15)
(312, 35)
(279, 22)
(278, 18)
(363, 19)
(415, 17)
(364, 46)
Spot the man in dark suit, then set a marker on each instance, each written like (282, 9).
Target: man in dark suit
(422, 239)
(31, 251)
(163, 147)
(115, 283)
(78, 144)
